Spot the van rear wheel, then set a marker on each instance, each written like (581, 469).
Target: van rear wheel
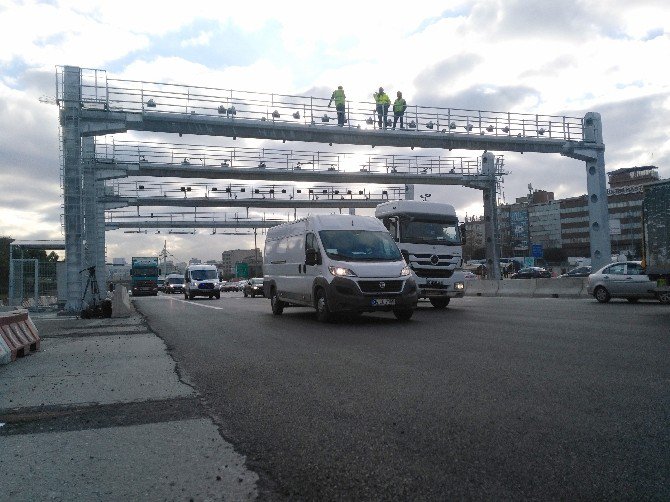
(277, 304)
(323, 313)
(404, 314)
(440, 303)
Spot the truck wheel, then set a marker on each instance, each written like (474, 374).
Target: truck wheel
(664, 297)
(218, 296)
(440, 303)
(323, 313)
(277, 304)
(601, 294)
(404, 314)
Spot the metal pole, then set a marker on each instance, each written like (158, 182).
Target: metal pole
(491, 217)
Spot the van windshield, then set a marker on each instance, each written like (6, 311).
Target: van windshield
(430, 232)
(359, 245)
(201, 275)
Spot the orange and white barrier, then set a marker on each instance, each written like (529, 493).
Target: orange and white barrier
(18, 336)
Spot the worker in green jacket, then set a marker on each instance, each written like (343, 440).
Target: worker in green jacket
(399, 107)
(339, 98)
(383, 102)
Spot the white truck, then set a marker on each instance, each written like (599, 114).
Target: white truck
(431, 241)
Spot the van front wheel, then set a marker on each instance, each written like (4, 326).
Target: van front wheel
(440, 303)
(323, 313)
(277, 304)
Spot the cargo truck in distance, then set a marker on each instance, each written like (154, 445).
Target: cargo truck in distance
(431, 241)
(656, 236)
(144, 274)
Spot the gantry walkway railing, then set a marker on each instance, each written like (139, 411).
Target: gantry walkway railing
(119, 105)
(153, 159)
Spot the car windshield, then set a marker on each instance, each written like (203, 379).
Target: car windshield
(430, 232)
(359, 245)
(256, 282)
(176, 280)
(201, 275)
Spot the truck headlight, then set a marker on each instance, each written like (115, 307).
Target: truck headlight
(405, 272)
(459, 286)
(341, 272)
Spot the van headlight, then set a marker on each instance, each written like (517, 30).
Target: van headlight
(342, 272)
(405, 272)
(459, 286)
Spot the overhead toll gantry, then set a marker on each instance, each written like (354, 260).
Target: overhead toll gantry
(91, 104)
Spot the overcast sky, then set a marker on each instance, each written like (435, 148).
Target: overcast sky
(536, 56)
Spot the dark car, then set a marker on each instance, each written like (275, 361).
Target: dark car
(531, 273)
(254, 287)
(578, 272)
(174, 284)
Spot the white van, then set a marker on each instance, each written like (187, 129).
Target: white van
(201, 280)
(338, 264)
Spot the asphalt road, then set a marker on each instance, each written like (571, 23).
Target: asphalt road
(492, 398)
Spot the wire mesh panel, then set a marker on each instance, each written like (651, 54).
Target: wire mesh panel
(33, 284)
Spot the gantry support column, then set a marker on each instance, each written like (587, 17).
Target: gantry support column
(596, 185)
(72, 206)
(94, 227)
(491, 217)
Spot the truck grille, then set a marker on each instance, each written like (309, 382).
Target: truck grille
(380, 286)
(433, 272)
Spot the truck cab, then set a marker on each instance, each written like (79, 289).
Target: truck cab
(431, 241)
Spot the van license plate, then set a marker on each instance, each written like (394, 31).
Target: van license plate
(383, 301)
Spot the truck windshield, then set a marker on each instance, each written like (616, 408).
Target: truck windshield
(359, 245)
(145, 271)
(430, 232)
(201, 275)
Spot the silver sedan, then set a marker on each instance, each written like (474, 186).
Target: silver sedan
(621, 280)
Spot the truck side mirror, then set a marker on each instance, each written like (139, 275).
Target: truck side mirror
(463, 237)
(311, 256)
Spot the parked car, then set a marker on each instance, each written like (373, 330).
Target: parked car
(578, 272)
(531, 273)
(254, 287)
(621, 280)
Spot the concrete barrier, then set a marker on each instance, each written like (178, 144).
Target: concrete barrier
(481, 287)
(565, 287)
(19, 336)
(121, 302)
(517, 287)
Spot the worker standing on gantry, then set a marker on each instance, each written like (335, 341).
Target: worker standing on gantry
(383, 102)
(339, 98)
(399, 107)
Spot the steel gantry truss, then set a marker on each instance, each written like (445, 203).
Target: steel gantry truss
(91, 104)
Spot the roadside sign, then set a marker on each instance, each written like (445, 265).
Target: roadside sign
(538, 251)
(528, 261)
(242, 269)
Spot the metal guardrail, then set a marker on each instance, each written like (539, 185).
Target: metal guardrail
(100, 92)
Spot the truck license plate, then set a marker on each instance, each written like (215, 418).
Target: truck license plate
(383, 301)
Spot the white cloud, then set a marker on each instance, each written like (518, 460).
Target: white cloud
(569, 57)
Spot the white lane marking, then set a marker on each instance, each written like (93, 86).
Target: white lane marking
(189, 302)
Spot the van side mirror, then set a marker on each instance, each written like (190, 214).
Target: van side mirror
(311, 256)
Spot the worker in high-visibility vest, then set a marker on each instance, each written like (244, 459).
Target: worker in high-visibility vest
(399, 107)
(383, 102)
(339, 98)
